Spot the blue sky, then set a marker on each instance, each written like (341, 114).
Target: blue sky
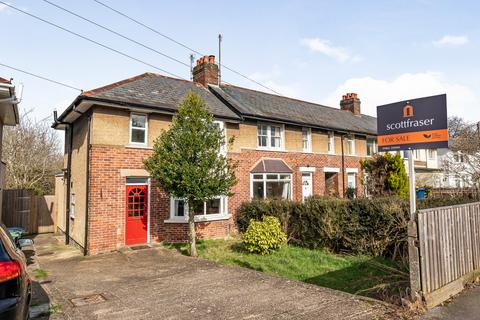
(315, 50)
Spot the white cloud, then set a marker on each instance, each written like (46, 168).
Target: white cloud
(3, 7)
(325, 47)
(462, 101)
(451, 41)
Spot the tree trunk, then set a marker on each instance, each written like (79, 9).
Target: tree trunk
(191, 229)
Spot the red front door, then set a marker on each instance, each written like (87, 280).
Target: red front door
(137, 213)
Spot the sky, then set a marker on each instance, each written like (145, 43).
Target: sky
(385, 51)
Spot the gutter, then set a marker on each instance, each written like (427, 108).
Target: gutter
(87, 186)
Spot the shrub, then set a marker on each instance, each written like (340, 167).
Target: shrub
(264, 236)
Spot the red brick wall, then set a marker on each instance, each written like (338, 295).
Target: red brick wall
(107, 203)
(246, 159)
(107, 193)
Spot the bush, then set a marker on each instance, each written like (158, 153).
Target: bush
(264, 236)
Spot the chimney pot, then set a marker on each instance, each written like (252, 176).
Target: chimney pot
(206, 71)
(350, 102)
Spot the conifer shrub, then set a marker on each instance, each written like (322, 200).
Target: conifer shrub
(264, 237)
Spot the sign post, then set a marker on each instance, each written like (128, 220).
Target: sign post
(413, 124)
(411, 181)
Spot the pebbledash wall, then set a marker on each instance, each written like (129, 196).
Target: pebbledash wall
(112, 160)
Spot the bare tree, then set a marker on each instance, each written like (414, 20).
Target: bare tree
(465, 146)
(32, 154)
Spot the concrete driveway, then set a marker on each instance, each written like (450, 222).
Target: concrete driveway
(157, 283)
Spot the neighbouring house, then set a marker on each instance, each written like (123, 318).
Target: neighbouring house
(286, 148)
(8, 117)
(428, 169)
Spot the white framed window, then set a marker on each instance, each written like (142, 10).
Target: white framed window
(270, 136)
(204, 210)
(331, 142)
(271, 186)
(138, 129)
(307, 139)
(72, 206)
(371, 146)
(432, 154)
(417, 154)
(350, 145)
(221, 125)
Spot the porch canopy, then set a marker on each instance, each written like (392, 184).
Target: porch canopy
(271, 165)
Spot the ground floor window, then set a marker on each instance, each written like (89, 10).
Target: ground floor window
(271, 186)
(214, 207)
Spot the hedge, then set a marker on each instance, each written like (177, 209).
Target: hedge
(376, 226)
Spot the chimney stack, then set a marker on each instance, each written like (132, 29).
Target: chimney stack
(350, 102)
(206, 71)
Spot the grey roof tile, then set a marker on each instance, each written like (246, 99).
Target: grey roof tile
(259, 104)
(156, 91)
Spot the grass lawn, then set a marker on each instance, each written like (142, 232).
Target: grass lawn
(362, 275)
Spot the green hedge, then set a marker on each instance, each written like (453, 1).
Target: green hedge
(376, 226)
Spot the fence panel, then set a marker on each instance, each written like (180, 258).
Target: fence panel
(36, 214)
(449, 248)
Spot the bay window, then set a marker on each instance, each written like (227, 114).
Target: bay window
(271, 186)
(269, 136)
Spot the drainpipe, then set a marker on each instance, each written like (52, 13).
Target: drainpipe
(87, 186)
(69, 183)
(343, 167)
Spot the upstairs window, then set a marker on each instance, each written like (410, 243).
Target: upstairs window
(331, 143)
(432, 154)
(138, 129)
(371, 147)
(223, 149)
(350, 146)
(307, 139)
(269, 136)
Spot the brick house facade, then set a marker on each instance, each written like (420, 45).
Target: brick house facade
(110, 201)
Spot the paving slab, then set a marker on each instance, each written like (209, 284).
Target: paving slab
(157, 283)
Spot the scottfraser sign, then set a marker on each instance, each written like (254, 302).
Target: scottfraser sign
(413, 124)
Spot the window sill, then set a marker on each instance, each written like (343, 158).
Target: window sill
(199, 219)
(138, 146)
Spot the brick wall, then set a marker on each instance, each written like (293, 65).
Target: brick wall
(246, 159)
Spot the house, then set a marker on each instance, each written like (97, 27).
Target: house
(285, 148)
(8, 117)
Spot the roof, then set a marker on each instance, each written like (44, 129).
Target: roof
(251, 103)
(157, 92)
(271, 165)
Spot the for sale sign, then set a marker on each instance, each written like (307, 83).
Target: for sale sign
(413, 124)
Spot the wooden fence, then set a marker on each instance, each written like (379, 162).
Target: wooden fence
(444, 250)
(21, 208)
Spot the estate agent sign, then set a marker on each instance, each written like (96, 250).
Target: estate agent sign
(413, 124)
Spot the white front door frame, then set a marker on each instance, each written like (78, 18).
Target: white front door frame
(307, 185)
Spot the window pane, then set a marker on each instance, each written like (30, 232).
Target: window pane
(286, 176)
(262, 130)
(272, 176)
(213, 206)
(179, 208)
(198, 207)
(262, 141)
(258, 189)
(258, 176)
(138, 121)
(278, 190)
(275, 131)
(138, 135)
(275, 142)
